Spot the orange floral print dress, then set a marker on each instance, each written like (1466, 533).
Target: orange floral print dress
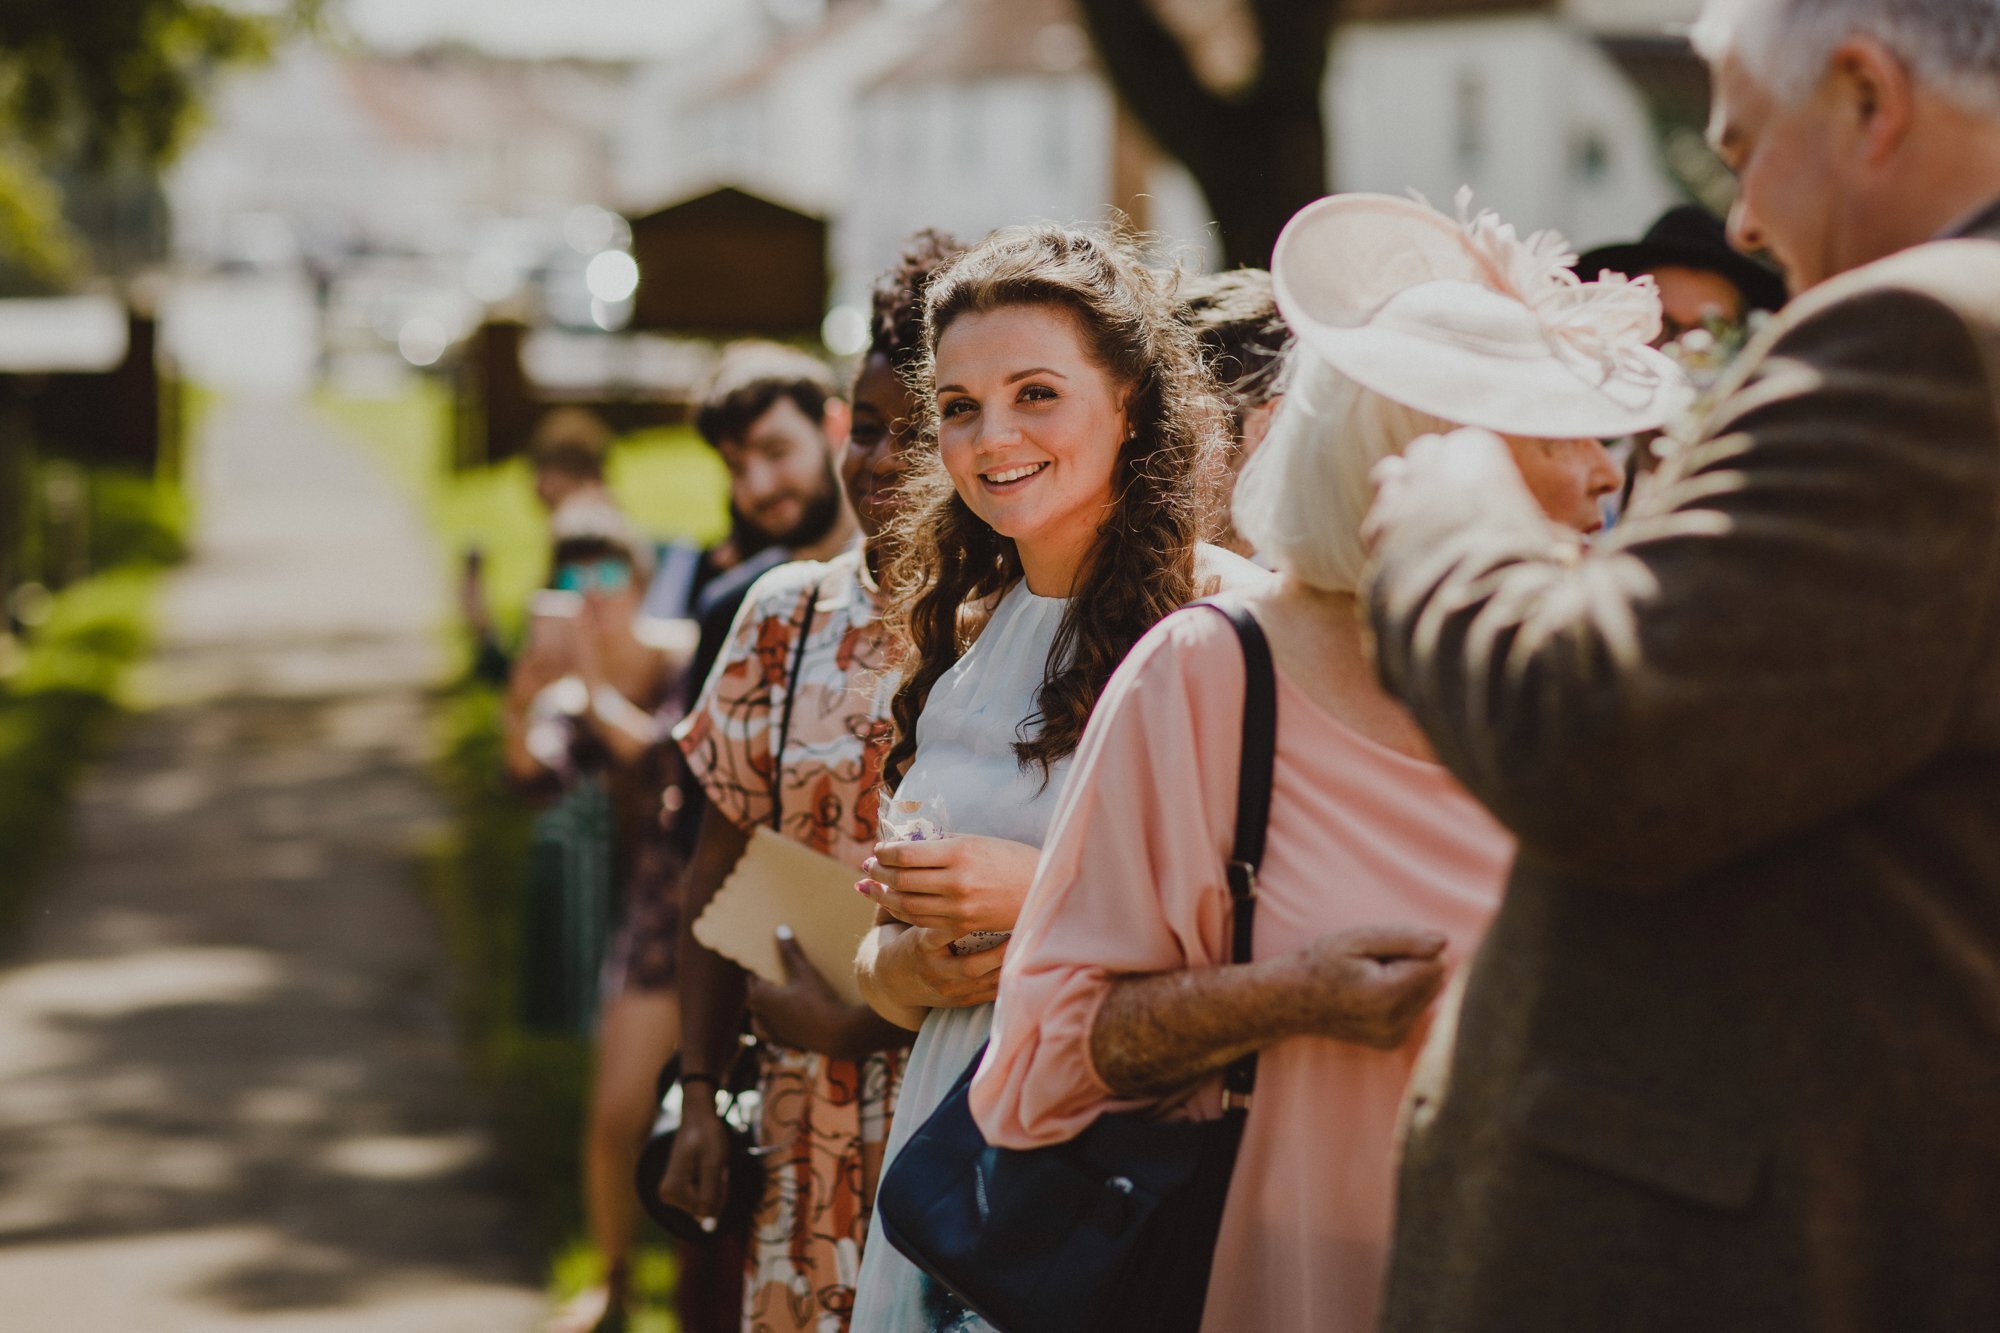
(826, 1120)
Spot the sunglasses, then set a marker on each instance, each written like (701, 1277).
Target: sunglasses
(589, 576)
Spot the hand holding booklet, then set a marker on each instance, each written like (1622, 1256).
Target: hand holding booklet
(779, 882)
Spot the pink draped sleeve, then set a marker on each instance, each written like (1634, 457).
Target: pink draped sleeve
(1130, 881)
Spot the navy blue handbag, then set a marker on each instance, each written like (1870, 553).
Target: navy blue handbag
(1114, 1230)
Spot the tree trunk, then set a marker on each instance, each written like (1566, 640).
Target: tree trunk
(1258, 156)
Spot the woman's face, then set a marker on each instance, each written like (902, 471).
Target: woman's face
(1568, 478)
(611, 590)
(871, 467)
(1029, 428)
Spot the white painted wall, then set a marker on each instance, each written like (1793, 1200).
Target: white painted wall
(1526, 110)
(289, 140)
(295, 140)
(1180, 216)
(1633, 17)
(969, 157)
(790, 134)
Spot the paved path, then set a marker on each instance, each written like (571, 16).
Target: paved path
(229, 1092)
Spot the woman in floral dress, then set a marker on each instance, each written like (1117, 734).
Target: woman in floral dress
(789, 733)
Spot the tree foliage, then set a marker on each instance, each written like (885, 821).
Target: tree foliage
(33, 236)
(99, 84)
(1258, 151)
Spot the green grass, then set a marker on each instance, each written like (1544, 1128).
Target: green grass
(673, 486)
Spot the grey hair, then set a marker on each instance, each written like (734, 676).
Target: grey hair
(1303, 495)
(1950, 46)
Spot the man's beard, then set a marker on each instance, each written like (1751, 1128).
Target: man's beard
(821, 512)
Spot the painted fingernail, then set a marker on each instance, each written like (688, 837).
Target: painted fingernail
(785, 934)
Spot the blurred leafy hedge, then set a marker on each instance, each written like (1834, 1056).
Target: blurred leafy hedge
(62, 685)
(55, 702)
(136, 521)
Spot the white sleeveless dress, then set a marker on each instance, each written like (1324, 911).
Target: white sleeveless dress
(965, 740)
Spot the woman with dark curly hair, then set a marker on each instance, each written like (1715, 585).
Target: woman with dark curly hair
(1058, 518)
(788, 733)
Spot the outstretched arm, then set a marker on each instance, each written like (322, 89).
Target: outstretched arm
(711, 992)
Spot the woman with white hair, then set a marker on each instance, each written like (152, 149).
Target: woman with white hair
(1379, 871)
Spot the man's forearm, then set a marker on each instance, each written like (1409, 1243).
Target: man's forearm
(1155, 1035)
(869, 1032)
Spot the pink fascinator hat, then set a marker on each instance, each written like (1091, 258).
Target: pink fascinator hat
(1465, 320)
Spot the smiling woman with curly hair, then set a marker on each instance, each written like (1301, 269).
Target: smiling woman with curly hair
(1057, 518)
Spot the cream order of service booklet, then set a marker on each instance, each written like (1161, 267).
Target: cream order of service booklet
(780, 882)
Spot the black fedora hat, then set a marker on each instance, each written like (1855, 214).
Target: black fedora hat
(1689, 236)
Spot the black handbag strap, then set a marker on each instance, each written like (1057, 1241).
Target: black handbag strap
(1253, 815)
(785, 715)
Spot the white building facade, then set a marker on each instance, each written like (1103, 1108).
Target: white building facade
(888, 115)
(1526, 109)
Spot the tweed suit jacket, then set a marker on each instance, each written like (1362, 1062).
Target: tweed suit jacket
(1729, 1058)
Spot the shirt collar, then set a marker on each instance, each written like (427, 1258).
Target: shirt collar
(852, 580)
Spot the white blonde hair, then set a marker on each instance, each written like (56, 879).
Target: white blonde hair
(1303, 495)
(1950, 46)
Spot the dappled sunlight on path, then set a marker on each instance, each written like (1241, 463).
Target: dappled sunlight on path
(230, 1095)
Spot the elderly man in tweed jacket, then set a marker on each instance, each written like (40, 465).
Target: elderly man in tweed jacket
(1730, 1057)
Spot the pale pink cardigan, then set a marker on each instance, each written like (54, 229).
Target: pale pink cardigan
(1131, 882)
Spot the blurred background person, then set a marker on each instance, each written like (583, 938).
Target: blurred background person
(774, 416)
(801, 750)
(566, 456)
(581, 731)
(1702, 279)
(1243, 344)
(1711, 298)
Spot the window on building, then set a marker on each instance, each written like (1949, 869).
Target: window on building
(1057, 131)
(1469, 104)
(1590, 157)
(968, 132)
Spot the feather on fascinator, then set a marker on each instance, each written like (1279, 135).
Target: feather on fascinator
(1466, 320)
(1599, 322)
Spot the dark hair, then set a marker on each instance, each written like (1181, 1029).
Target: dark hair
(570, 440)
(579, 550)
(951, 567)
(896, 306)
(596, 530)
(1243, 338)
(750, 379)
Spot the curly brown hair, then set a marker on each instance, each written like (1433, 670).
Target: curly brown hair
(951, 568)
(896, 305)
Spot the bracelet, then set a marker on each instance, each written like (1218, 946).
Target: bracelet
(709, 1079)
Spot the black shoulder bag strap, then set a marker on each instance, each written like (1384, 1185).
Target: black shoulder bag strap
(1253, 816)
(785, 715)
